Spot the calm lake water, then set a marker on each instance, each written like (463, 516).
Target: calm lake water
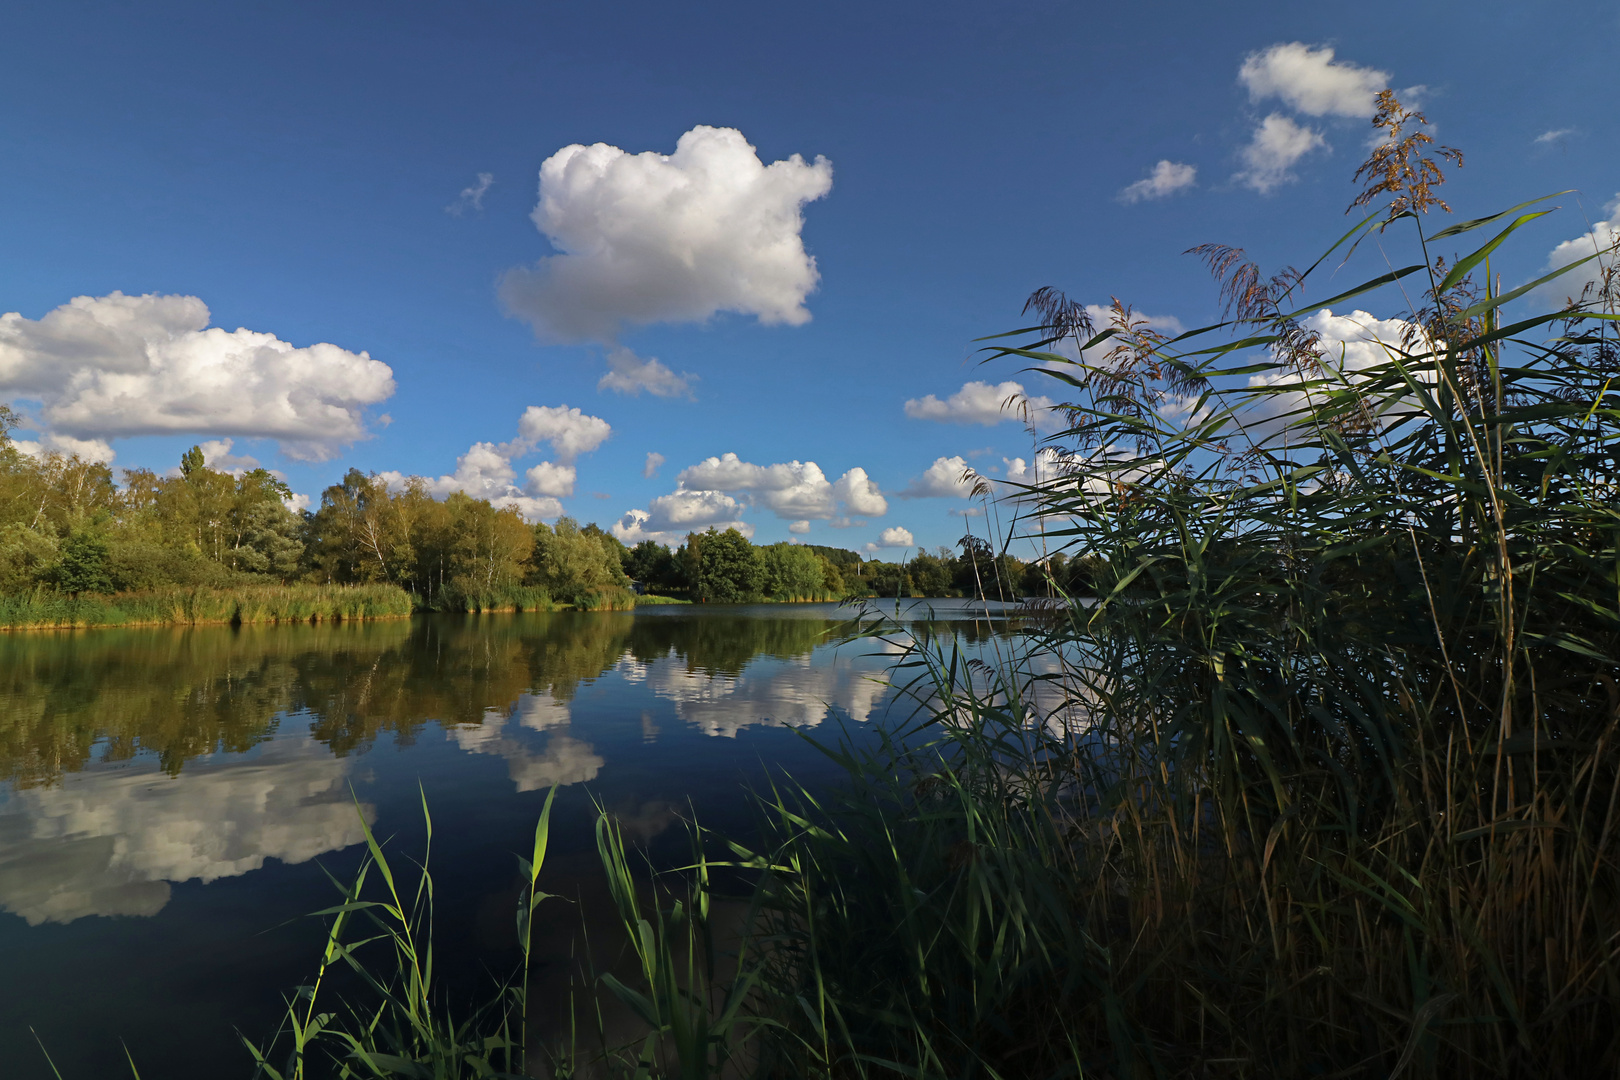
(168, 798)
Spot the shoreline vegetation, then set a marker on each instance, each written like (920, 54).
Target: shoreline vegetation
(201, 545)
(1325, 782)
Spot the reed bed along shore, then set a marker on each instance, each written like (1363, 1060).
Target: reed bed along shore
(46, 609)
(196, 606)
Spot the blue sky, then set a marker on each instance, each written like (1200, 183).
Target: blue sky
(311, 173)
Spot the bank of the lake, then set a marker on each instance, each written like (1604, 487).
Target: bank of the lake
(45, 609)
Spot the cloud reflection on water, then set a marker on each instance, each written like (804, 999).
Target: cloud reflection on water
(109, 841)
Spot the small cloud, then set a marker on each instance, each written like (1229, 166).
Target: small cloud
(471, 198)
(1167, 178)
(297, 502)
(799, 527)
(1310, 81)
(982, 403)
(570, 431)
(1558, 135)
(217, 455)
(1603, 236)
(1278, 143)
(485, 471)
(896, 537)
(968, 512)
(668, 518)
(947, 477)
(654, 461)
(550, 479)
(630, 374)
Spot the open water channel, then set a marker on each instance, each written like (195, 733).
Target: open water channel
(169, 798)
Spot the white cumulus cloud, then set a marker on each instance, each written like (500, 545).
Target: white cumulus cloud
(655, 461)
(1350, 345)
(217, 455)
(630, 374)
(486, 471)
(799, 528)
(571, 432)
(108, 367)
(668, 518)
(793, 490)
(984, 403)
(651, 237)
(549, 478)
(1167, 178)
(859, 494)
(54, 442)
(1278, 143)
(947, 477)
(1310, 81)
(895, 537)
(1601, 237)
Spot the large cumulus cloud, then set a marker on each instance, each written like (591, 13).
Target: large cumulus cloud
(649, 237)
(107, 367)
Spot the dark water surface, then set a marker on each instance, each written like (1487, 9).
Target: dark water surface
(168, 798)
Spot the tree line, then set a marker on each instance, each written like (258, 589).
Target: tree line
(68, 527)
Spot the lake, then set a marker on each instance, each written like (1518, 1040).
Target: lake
(169, 798)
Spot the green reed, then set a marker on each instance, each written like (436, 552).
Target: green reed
(191, 605)
(401, 1025)
(1326, 781)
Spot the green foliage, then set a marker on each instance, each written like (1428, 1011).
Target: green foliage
(81, 565)
(729, 568)
(791, 572)
(930, 575)
(887, 579)
(573, 563)
(836, 556)
(26, 557)
(981, 572)
(654, 565)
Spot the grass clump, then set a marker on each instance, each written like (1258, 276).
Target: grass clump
(405, 1029)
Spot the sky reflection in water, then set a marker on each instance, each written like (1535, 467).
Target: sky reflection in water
(189, 778)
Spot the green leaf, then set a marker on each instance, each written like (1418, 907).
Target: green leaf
(542, 836)
(1497, 301)
(1470, 261)
(1465, 226)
